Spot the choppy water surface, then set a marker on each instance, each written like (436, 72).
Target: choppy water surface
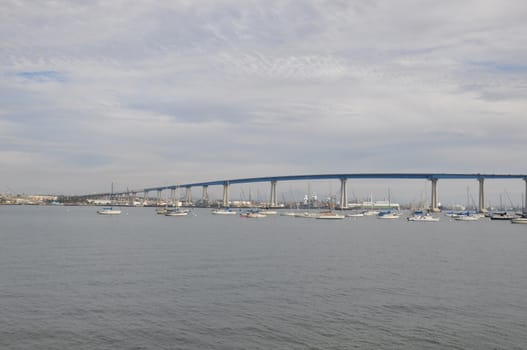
(71, 279)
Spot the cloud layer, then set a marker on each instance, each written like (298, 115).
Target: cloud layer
(154, 92)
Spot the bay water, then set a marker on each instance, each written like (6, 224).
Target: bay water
(72, 279)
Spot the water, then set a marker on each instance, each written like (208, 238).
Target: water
(71, 279)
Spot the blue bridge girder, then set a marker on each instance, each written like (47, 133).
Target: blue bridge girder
(434, 177)
(415, 176)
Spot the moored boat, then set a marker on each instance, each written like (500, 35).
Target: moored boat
(519, 220)
(177, 212)
(227, 211)
(388, 215)
(330, 215)
(109, 211)
(422, 217)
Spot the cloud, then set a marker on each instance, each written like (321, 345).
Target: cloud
(154, 92)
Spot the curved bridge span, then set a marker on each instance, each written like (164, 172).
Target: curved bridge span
(342, 177)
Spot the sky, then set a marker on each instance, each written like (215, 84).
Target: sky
(150, 93)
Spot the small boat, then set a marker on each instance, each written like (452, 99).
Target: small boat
(422, 217)
(355, 215)
(502, 215)
(227, 211)
(519, 220)
(388, 215)
(288, 213)
(253, 215)
(371, 213)
(268, 212)
(306, 214)
(329, 215)
(467, 217)
(109, 211)
(177, 212)
(161, 211)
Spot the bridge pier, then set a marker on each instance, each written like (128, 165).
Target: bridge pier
(145, 198)
(204, 194)
(525, 201)
(226, 194)
(481, 204)
(343, 193)
(273, 203)
(188, 195)
(158, 197)
(433, 204)
(173, 196)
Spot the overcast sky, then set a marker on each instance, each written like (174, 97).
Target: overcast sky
(147, 93)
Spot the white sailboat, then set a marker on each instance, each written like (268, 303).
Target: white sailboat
(109, 210)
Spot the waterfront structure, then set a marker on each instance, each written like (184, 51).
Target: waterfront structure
(343, 178)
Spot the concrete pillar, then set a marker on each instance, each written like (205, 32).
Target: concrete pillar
(433, 205)
(226, 194)
(145, 199)
(173, 196)
(343, 194)
(525, 202)
(158, 197)
(188, 195)
(273, 202)
(481, 203)
(204, 194)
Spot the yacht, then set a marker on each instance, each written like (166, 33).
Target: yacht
(502, 215)
(388, 215)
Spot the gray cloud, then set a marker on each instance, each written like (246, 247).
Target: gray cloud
(154, 92)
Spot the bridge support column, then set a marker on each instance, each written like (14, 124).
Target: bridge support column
(145, 198)
(525, 201)
(188, 195)
(204, 194)
(226, 195)
(481, 204)
(343, 194)
(273, 202)
(173, 196)
(158, 197)
(433, 204)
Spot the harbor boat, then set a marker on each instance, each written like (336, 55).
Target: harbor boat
(388, 215)
(467, 217)
(288, 213)
(109, 211)
(355, 215)
(502, 215)
(330, 215)
(177, 212)
(268, 212)
(161, 211)
(371, 213)
(422, 217)
(227, 211)
(252, 215)
(519, 220)
(306, 214)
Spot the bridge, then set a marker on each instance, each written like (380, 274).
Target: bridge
(343, 178)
